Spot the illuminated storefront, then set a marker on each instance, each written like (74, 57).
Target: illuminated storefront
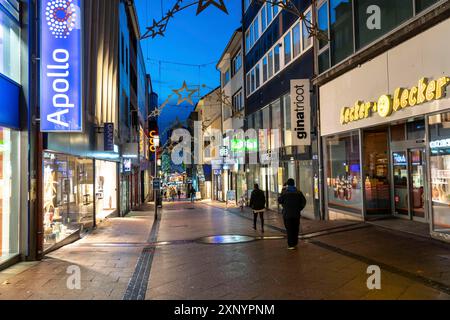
(11, 176)
(386, 145)
(105, 189)
(68, 197)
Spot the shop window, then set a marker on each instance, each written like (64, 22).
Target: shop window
(424, 4)
(275, 136)
(344, 182)
(341, 27)
(105, 189)
(9, 193)
(439, 128)
(398, 132)
(9, 47)
(68, 196)
(287, 120)
(376, 182)
(416, 130)
(393, 13)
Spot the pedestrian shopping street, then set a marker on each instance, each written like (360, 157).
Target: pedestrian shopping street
(135, 258)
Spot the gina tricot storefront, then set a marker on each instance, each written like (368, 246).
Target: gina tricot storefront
(386, 134)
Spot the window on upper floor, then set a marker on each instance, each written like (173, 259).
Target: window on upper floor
(393, 13)
(265, 70)
(287, 48)
(307, 39)
(274, 61)
(247, 4)
(352, 25)
(296, 40)
(236, 63)
(10, 43)
(226, 77)
(261, 22)
(238, 101)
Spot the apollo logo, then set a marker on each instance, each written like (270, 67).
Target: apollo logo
(61, 17)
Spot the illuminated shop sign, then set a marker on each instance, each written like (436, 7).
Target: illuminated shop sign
(241, 145)
(400, 159)
(301, 112)
(445, 143)
(425, 91)
(61, 66)
(127, 164)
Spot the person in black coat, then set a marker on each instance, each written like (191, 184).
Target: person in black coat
(258, 204)
(293, 202)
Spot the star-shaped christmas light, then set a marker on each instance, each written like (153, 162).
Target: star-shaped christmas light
(184, 88)
(203, 4)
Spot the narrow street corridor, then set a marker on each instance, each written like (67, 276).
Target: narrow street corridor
(133, 258)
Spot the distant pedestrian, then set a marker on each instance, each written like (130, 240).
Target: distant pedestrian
(293, 202)
(173, 194)
(258, 205)
(179, 194)
(192, 193)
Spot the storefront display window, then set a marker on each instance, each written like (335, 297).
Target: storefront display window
(68, 196)
(9, 192)
(344, 172)
(439, 127)
(105, 189)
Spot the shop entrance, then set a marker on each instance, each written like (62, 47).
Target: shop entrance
(409, 187)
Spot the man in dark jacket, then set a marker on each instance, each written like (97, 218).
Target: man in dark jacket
(258, 204)
(293, 202)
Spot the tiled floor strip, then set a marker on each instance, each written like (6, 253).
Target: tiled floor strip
(137, 287)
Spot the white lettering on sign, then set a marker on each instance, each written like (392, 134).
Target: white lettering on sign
(301, 112)
(60, 71)
(445, 143)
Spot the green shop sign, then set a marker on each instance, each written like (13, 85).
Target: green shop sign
(240, 145)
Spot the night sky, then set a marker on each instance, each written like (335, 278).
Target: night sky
(189, 50)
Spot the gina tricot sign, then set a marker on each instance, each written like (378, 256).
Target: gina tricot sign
(61, 66)
(300, 112)
(425, 91)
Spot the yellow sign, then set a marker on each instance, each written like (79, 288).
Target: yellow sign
(403, 98)
(152, 136)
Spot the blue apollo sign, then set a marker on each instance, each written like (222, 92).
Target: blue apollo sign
(61, 66)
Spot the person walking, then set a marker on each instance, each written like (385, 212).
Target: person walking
(258, 205)
(173, 194)
(179, 194)
(192, 193)
(293, 202)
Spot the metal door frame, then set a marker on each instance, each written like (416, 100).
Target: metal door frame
(407, 146)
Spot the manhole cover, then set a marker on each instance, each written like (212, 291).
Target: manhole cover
(226, 239)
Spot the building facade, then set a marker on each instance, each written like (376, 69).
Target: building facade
(385, 142)
(233, 112)
(14, 127)
(277, 50)
(98, 170)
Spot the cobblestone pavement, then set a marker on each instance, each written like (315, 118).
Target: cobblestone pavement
(132, 258)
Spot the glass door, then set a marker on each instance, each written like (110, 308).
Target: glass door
(417, 183)
(400, 178)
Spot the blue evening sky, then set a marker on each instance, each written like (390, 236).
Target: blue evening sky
(189, 39)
